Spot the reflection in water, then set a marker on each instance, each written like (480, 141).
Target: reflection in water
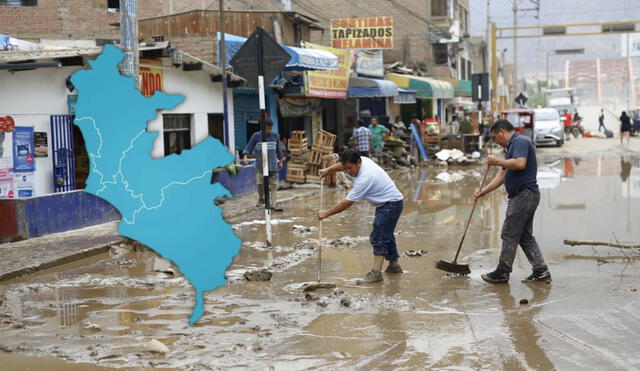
(525, 336)
(625, 167)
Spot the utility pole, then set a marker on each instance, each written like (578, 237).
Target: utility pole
(223, 65)
(129, 40)
(486, 37)
(514, 91)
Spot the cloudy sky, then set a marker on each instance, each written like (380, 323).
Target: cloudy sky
(552, 12)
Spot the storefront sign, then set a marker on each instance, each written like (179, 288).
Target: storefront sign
(362, 33)
(369, 63)
(152, 77)
(444, 32)
(6, 184)
(23, 158)
(329, 83)
(23, 184)
(40, 141)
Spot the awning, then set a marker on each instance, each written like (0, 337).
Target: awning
(301, 59)
(405, 96)
(425, 87)
(461, 88)
(361, 87)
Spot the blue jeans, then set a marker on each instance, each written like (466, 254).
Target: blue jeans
(384, 224)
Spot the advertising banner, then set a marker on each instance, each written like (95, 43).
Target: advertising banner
(329, 83)
(444, 32)
(362, 33)
(23, 185)
(6, 184)
(152, 77)
(41, 146)
(23, 151)
(369, 63)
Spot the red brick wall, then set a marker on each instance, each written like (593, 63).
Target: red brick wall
(199, 46)
(68, 19)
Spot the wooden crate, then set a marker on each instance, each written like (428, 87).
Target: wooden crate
(315, 157)
(313, 179)
(313, 170)
(329, 160)
(323, 142)
(296, 166)
(298, 136)
(295, 175)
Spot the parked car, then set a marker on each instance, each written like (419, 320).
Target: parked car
(549, 128)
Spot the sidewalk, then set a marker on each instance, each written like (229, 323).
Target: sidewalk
(36, 254)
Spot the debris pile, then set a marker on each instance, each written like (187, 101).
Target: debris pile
(305, 164)
(456, 157)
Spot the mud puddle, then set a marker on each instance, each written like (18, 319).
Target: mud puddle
(106, 310)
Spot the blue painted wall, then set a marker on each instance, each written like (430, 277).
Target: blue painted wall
(246, 106)
(244, 181)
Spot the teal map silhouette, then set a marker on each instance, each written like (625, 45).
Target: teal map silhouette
(167, 203)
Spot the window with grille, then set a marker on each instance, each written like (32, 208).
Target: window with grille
(440, 54)
(176, 132)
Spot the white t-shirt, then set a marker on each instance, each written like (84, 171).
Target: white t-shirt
(373, 184)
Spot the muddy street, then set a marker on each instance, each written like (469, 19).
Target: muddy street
(107, 310)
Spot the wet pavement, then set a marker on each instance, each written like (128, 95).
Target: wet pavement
(104, 310)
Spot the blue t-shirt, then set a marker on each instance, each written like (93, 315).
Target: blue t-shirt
(517, 180)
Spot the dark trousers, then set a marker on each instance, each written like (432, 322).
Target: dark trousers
(601, 125)
(384, 224)
(518, 230)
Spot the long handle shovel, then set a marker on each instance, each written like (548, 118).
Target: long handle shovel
(320, 229)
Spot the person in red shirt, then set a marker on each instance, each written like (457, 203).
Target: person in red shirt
(567, 125)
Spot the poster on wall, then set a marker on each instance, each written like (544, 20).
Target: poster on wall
(330, 83)
(40, 141)
(23, 185)
(6, 184)
(369, 63)
(23, 158)
(152, 76)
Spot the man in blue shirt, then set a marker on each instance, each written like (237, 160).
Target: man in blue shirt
(274, 159)
(373, 184)
(518, 173)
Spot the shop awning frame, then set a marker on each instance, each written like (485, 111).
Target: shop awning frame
(362, 87)
(301, 59)
(425, 87)
(405, 96)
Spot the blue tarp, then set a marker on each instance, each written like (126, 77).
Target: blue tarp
(360, 87)
(301, 59)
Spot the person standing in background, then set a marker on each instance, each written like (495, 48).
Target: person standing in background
(361, 139)
(377, 131)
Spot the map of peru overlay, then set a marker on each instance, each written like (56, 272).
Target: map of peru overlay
(166, 204)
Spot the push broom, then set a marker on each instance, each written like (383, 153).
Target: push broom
(454, 266)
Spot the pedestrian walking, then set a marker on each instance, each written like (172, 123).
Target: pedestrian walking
(361, 139)
(625, 127)
(601, 121)
(567, 125)
(518, 174)
(377, 131)
(274, 158)
(373, 184)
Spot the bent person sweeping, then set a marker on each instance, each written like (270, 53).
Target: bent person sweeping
(373, 184)
(519, 175)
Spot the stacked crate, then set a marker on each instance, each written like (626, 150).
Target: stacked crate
(298, 147)
(322, 145)
(329, 160)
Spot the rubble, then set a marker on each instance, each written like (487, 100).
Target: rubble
(155, 346)
(415, 253)
(258, 275)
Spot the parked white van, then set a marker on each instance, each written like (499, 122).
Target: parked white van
(548, 129)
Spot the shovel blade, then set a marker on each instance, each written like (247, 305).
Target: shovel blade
(453, 267)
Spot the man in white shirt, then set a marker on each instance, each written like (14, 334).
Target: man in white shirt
(373, 184)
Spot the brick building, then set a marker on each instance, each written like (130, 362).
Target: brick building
(53, 21)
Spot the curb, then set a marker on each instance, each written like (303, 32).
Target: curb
(84, 253)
